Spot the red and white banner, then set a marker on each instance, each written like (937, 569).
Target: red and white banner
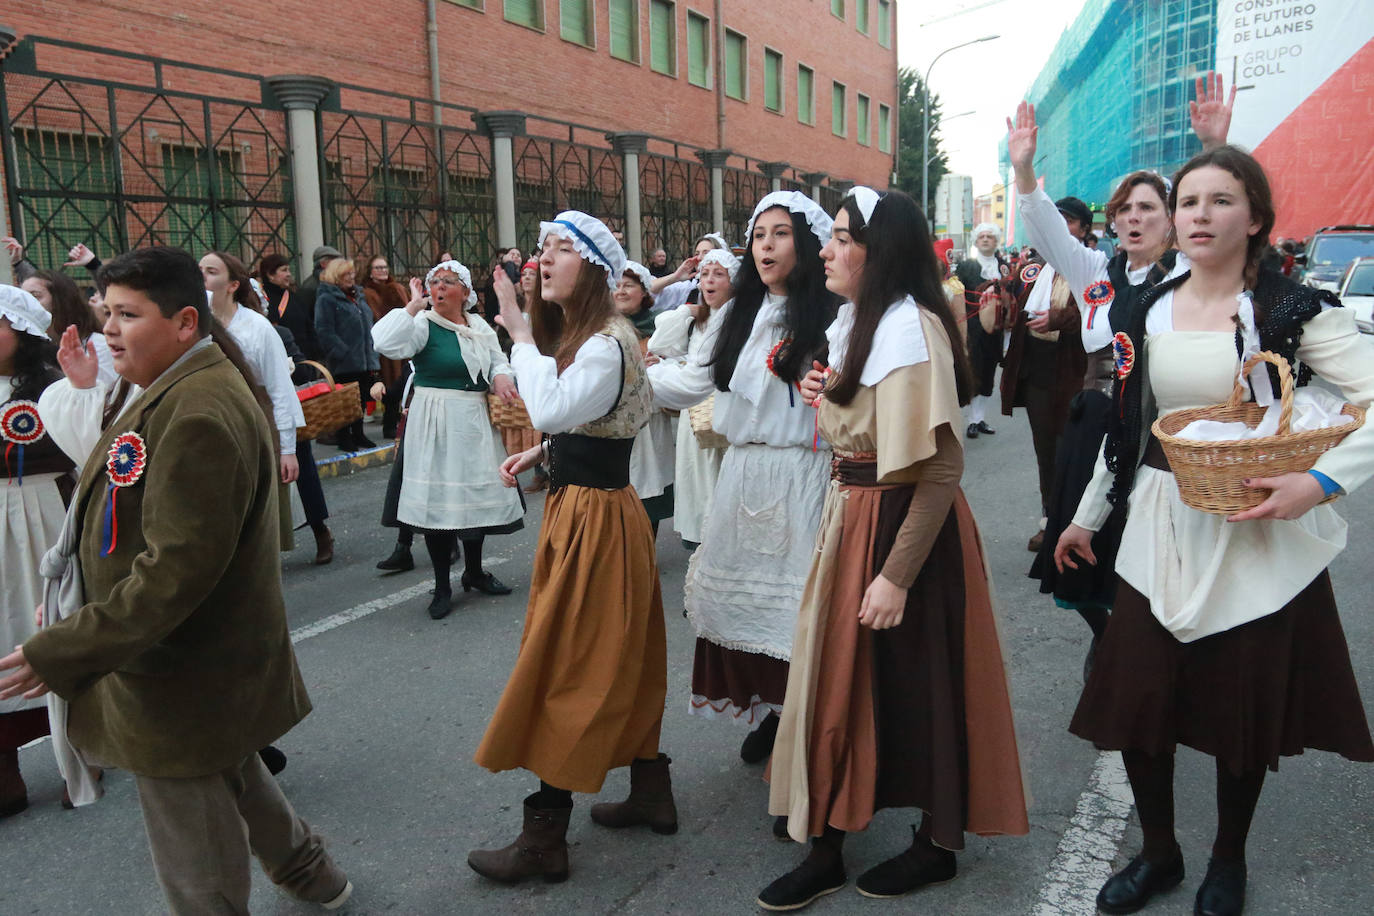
(1305, 71)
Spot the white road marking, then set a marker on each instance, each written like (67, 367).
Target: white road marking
(1087, 851)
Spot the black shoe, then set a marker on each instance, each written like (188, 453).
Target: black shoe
(345, 444)
(486, 583)
(440, 604)
(1131, 888)
(273, 759)
(1223, 890)
(985, 429)
(780, 828)
(972, 431)
(802, 885)
(920, 865)
(399, 561)
(758, 744)
(363, 442)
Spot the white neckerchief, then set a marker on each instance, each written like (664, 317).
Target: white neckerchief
(475, 340)
(898, 341)
(991, 269)
(751, 369)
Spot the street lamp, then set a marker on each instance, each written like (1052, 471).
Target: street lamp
(925, 141)
(944, 121)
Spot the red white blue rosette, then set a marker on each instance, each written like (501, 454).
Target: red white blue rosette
(20, 423)
(128, 456)
(1123, 354)
(1029, 273)
(1099, 293)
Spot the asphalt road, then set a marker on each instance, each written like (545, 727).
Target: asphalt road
(383, 767)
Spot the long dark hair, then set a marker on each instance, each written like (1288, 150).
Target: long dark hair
(69, 306)
(901, 262)
(35, 366)
(810, 309)
(561, 328)
(1245, 169)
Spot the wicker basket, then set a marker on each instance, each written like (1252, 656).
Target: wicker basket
(508, 416)
(334, 409)
(700, 418)
(1210, 475)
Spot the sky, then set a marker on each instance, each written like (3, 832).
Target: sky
(987, 79)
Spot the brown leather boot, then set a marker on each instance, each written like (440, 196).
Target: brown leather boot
(541, 849)
(324, 546)
(14, 795)
(650, 801)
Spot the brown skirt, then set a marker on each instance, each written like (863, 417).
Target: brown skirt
(587, 692)
(918, 715)
(732, 683)
(1247, 696)
(19, 728)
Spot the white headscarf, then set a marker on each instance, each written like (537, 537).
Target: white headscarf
(796, 202)
(464, 275)
(590, 238)
(718, 239)
(642, 274)
(25, 313)
(866, 198)
(724, 257)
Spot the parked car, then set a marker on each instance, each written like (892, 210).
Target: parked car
(1330, 252)
(1357, 292)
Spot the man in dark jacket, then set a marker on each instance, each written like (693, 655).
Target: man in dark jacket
(179, 665)
(299, 317)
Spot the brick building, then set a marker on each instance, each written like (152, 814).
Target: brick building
(149, 122)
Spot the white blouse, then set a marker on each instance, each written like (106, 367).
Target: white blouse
(586, 391)
(106, 374)
(672, 330)
(266, 355)
(760, 407)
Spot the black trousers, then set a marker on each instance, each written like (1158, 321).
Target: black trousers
(308, 485)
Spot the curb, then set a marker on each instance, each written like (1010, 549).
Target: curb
(348, 463)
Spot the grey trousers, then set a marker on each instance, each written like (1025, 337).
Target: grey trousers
(202, 830)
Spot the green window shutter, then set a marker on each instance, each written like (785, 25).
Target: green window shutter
(772, 80)
(574, 21)
(806, 99)
(861, 15)
(885, 23)
(525, 12)
(837, 109)
(698, 50)
(735, 59)
(884, 128)
(837, 8)
(662, 37)
(861, 119)
(625, 30)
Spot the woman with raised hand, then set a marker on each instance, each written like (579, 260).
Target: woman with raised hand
(63, 299)
(744, 583)
(672, 290)
(897, 695)
(450, 490)
(1106, 288)
(586, 694)
(1224, 634)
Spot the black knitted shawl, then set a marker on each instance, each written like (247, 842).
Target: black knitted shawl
(1282, 307)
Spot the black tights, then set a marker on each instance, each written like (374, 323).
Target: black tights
(1152, 781)
(1096, 619)
(440, 545)
(551, 797)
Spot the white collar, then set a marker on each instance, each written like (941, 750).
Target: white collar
(751, 369)
(898, 341)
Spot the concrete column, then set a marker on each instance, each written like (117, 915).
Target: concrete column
(630, 145)
(774, 172)
(503, 127)
(8, 38)
(301, 96)
(815, 180)
(843, 185)
(714, 159)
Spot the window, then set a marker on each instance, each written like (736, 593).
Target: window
(837, 8)
(885, 23)
(861, 15)
(195, 226)
(772, 80)
(64, 163)
(698, 50)
(861, 119)
(625, 30)
(575, 22)
(736, 60)
(525, 12)
(662, 37)
(837, 109)
(470, 4)
(806, 96)
(884, 128)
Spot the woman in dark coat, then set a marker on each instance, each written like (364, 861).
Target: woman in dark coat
(343, 326)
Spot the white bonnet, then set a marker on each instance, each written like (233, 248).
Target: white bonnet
(591, 239)
(866, 198)
(796, 202)
(987, 227)
(642, 274)
(463, 273)
(25, 313)
(716, 239)
(724, 257)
